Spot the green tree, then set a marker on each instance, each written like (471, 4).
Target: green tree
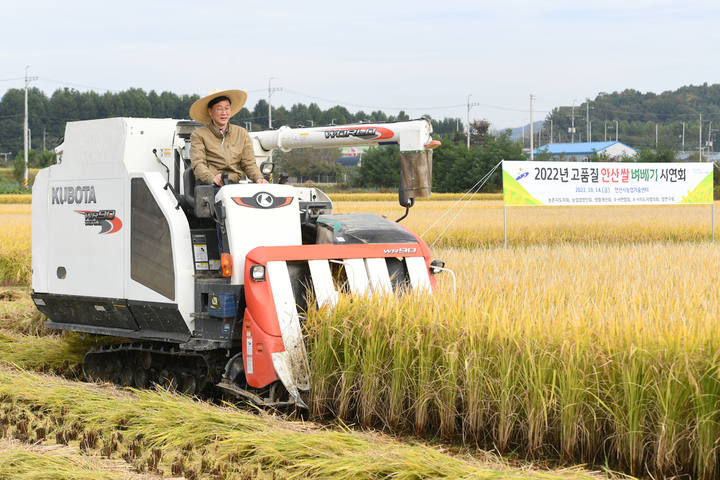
(402, 117)
(458, 169)
(664, 154)
(243, 116)
(496, 149)
(309, 163)
(19, 168)
(260, 114)
(478, 133)
(446, 125)
(451, 164)
(380, 168)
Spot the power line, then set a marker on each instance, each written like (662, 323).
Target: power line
(369, 106)
(406, 108)
(45, 79)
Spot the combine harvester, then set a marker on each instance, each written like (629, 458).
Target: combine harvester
(124, 245)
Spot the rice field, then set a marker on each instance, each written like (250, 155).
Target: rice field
(463, 224)
(15, 251)
(590, 354)
(593, 339)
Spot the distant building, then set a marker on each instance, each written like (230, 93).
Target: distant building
(579, 152)
(349, 161)
(351, 156)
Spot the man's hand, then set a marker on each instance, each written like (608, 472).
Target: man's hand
(217, 180)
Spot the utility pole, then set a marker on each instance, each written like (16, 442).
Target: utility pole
(698, 129)
(469, 105)
(709, 140)
(587, 117)
(656, 135)
(531, 128)
(6, 155)
(551, 132)
(312, 124)
(573, 122)
(270, 92)
(683, 124)
(44, 140)
(25, 129)
(616, 130)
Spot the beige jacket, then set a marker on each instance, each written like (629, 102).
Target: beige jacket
(210, 155)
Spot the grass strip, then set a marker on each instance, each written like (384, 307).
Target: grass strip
(173, 424)
(51, 353)
(15, 198)
(21, 462)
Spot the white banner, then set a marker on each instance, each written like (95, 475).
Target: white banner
(573, 183)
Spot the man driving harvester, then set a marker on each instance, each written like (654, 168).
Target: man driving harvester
(220, 147)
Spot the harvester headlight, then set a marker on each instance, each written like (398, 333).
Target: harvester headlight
(267, 167)
(436, 266)
(257, 273)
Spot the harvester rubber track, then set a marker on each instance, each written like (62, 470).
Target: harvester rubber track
(142, 364)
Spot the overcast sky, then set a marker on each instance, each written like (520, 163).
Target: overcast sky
(424, 57)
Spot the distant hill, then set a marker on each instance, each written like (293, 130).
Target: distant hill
(640, 116)
(518, 132)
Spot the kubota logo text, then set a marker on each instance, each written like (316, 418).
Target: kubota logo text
(70, 195)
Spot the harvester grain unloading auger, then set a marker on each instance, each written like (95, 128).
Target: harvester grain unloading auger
(124, 245)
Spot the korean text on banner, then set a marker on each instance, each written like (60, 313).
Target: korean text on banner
(572, 183)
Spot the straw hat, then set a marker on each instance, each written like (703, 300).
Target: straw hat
(199, 109)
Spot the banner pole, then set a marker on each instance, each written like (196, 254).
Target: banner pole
(502, 166)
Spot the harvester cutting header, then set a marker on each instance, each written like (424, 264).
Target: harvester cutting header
(125, 243)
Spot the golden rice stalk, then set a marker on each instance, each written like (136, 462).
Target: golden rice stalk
(173, 424)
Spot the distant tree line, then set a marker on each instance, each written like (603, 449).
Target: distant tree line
(47, 116)
(456, 167)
